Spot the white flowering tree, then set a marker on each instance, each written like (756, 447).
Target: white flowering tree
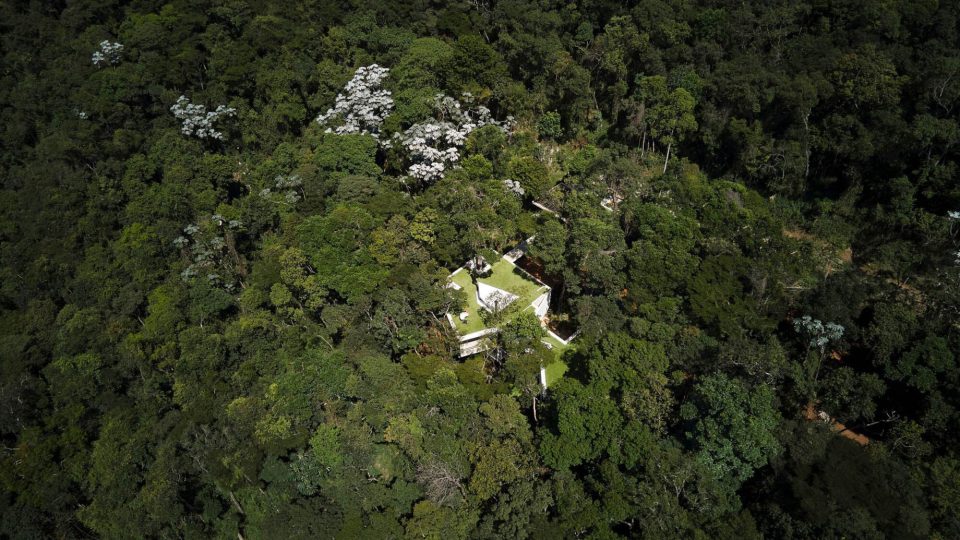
(514, 187)
(288, 190)
(434, 146)
(818, 335)
(109, 54)
(197, 121)
(362, 106)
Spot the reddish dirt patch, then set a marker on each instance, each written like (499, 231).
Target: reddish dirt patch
(811, 414)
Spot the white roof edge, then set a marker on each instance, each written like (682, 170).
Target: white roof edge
(479, 333)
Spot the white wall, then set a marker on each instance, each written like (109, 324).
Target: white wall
(541, 304)
(489, 296)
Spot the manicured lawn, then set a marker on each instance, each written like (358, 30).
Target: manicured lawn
(555, 371)
(557, 368)
(557, 346)
(474, 322)
(506, 276)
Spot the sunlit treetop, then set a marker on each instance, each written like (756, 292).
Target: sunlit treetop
(197, 121)
(820, 333)
(109, 53)
(362, 106)
(433, 146)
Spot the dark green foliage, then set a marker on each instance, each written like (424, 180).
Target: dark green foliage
(247, 337)
(829, 487)
(532, 175)
(549, 126)
(732, 427)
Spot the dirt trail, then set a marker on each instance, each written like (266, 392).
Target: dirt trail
(812, 414)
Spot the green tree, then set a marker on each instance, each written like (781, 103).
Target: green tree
(732, 427)
(586, 423)
(665, 115)
(532, 175)
(549, 127)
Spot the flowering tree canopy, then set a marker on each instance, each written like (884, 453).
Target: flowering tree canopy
(289, 190)
(514, 187)
(363, 105)
(434, 145)
(196, 120)
(110, 53)
(820, 333)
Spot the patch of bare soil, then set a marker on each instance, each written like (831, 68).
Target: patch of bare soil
(811, 414)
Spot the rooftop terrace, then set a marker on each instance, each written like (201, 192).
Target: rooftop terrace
(505, 276)
(461, 278)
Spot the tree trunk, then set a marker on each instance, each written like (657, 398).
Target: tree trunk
(236, 504)
(667, 160)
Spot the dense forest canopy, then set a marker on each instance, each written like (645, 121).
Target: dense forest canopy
(227, 229)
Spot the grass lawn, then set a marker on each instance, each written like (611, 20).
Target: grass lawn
(557, 368)
(474, 322)
(507, 277)
(555, 371)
